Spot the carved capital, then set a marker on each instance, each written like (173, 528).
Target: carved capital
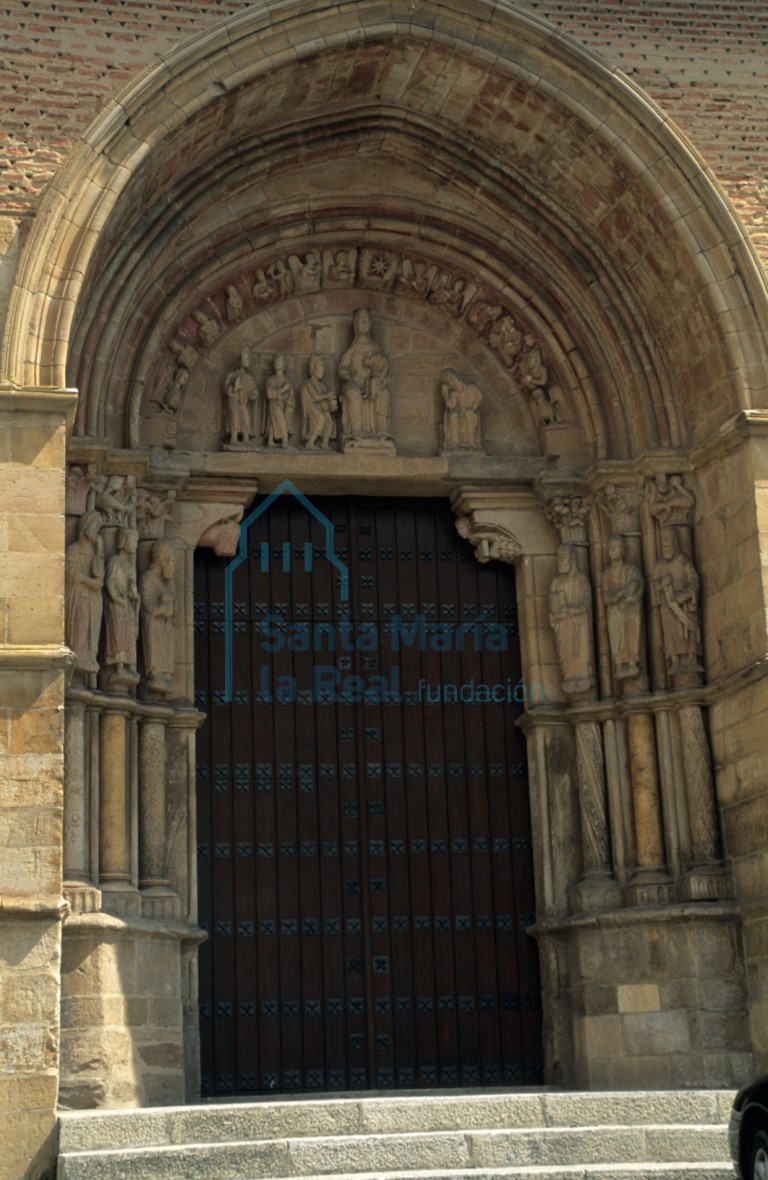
(152, 512)
(621, 504)
(670, 501)
(568, 513)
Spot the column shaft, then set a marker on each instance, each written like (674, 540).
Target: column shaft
(152, 825)
(114, 857)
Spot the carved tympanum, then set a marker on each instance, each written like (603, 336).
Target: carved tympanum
(349, 266)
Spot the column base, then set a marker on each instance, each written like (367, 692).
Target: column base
(121, 899)
(595, 892)
(707, 883)
(160, 902)
(650, 887)
(82, 897)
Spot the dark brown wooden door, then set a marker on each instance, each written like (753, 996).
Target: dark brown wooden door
(364, 855)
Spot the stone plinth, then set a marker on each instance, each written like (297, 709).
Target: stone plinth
(652, 997)
(123, 1003)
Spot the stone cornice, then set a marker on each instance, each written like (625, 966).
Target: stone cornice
(41, 400)
(183, 715)
(647, 915)
(662, 700)
(105, 925)
(21, 657)
(732, 434)
(25, 908)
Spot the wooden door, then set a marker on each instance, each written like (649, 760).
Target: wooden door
(364, 854)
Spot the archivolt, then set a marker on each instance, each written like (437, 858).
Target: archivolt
(568, 151)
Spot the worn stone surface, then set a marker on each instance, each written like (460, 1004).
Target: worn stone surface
(564, 230)
(578, 1130)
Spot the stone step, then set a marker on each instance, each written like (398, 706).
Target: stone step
(283, 1118)
(695, 1171)
(443, 1152)
(545, 1134)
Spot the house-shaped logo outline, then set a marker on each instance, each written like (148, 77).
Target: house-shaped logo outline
(242, 553)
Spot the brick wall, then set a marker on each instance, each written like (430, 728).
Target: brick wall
(704, 61)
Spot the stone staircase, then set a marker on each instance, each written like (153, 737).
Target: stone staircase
(457, 1135)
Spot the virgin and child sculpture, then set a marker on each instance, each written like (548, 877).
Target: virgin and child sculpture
(365, 395)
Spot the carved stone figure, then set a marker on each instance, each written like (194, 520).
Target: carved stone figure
(506, 338)
(281, 276)
(570, 616)
(186, 355)
(676, 585)
(170, 390)
(621, 503)
(533, 372)
(414, 278)
(239, 395)
(482, 314)
(307, 273)
(364, 372)
(279, 405)
(121, 614)
(152, 512)
(549, 405)
(207, 329)
(461, 417)
(339, 267)
(84, 571)
(623, 587)
(262, 288)
(158, 611)
(81, 487)
(116, 499)
(670, 501)
(234, 304)
(318, 405)
(448, 292)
